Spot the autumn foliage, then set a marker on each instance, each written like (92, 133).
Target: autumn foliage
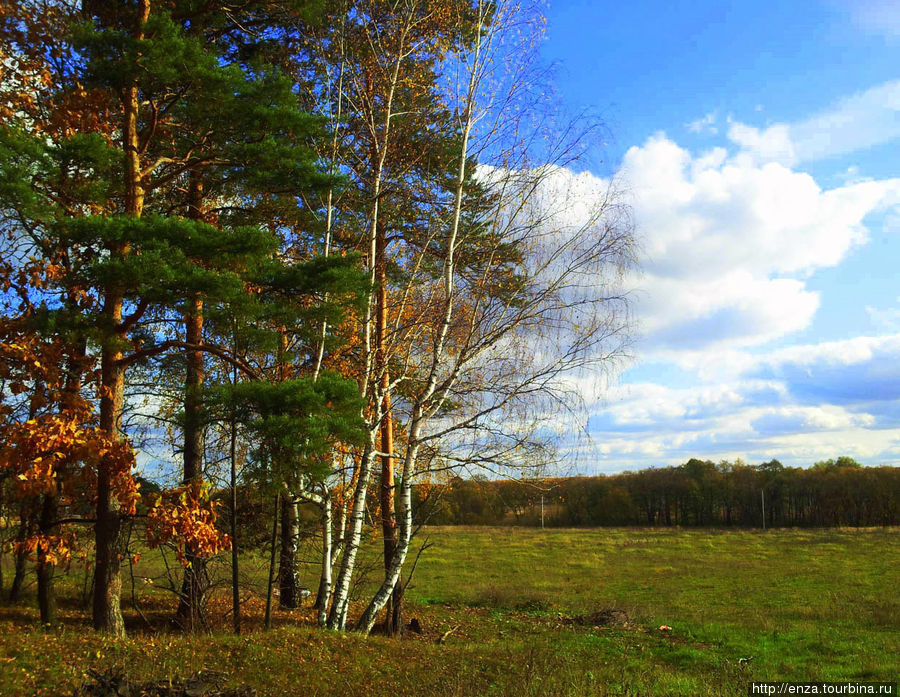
(302, 247)
(56, 453)
(186, 517)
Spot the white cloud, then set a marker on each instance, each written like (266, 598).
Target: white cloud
(706, 124)
(772, 144)
(728, 243)
(799, 419)
(857, 371)
(730, 239)
(866, 445)
(856, 122)
(885, 319)
(634, 406)
(649, 424)
(861, 349)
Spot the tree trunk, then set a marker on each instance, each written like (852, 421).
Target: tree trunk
(235, 591)
(325, 582)
(275, 509)
(337, 617)
(109, 541)
(388, 518)
(393, 614)
(196, 579)
(394, 569)
(21, 557)
(15, 590)
(2, 541)
(288, 576)
(392, 577)
(45, 569)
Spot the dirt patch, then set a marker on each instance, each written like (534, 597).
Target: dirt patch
(609, 617)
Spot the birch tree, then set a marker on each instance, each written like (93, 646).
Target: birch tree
(379, 70)
(487, 304)
(517, 299)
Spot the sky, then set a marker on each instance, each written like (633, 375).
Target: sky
(758, 146)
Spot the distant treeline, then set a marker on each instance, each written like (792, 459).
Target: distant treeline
(698, 493)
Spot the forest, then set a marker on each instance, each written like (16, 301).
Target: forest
(321, 251)
(699, 493)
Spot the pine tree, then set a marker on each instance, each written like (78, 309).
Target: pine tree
(163, 212)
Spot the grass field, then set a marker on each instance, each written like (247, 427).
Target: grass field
(805, 605)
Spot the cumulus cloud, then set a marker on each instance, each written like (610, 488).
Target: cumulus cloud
(731, 239)
(798, 404)
(790, 420)
(863, 444)
(649, 406)
(772, 144)
(857, 371)
(854, 123)
(753, 419)
(729, 243)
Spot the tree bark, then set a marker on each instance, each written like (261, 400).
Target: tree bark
(404, 535)
(196, 579)
(392, 620)
(325, 581)
(235, 591)
(2, 541)
(288, 577)
(337, 616)
(109, 540)
(394, 568)
(15, 590)
(46, 570)
(275, 510)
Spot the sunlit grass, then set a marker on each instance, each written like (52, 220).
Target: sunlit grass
(806, 605)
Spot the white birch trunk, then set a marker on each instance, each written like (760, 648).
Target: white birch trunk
(404, 536)
(325, 583)
(419, 416)
(337, 617)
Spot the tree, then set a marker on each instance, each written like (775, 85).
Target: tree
(379, 60)
(466, 262)
(179, 208)
(153, 209)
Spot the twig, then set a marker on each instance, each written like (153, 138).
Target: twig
(448, 633)
(425, 545)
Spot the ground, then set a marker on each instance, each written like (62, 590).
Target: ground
(523, 608)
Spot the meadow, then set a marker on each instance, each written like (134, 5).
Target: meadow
(513, 611)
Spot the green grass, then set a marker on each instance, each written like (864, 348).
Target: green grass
(807, 605)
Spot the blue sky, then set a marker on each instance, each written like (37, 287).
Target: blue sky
(758, 144)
